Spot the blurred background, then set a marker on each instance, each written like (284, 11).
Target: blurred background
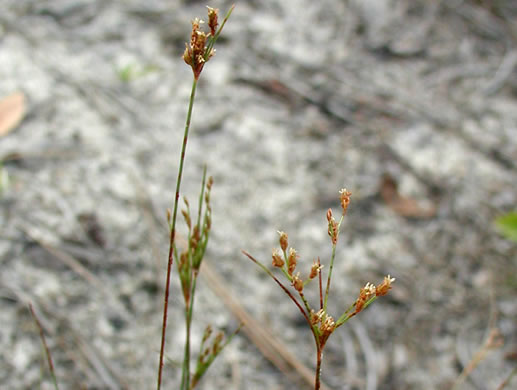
(410, 105)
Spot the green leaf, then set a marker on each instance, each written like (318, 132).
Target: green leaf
(507, 224)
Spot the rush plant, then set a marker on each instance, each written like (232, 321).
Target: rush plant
(197, 53)
(321, 324)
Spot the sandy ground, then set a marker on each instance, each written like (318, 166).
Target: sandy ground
(411, 105)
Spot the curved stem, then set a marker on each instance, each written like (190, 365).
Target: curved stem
(173, 231)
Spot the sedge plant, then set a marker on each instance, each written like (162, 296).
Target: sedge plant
(321, 324)
(197, 53)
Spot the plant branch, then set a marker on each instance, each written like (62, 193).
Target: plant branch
(306, 315)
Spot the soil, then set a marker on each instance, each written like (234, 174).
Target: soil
(410, 105)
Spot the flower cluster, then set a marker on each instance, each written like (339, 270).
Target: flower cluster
(191, 257)
(322, 324)
(201, 46)
(208, 354)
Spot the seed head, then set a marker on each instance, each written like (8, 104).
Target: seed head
(297, 283)
(186, 216)
(216, 347)
(316, 317)
(208, 220)
(195, 53)
(385, 286)
(183, 261)
(283, 240)
(365, 294)
(292, 261)
(212, 20)
(277, 259)
(328, 325)
(344, 197)
(207, 333)
(315, 269)
(194, 238)
(333, 230)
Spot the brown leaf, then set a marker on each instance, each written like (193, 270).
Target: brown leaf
(403, 206)
(12, 111)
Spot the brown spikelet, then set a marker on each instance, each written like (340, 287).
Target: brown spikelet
(212, 19)
(292, 260)
(297, 283)
(344, 197)
(385, 286)
(283, 240)
(277, 259)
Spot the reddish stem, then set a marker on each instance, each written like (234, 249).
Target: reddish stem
(281, 286)
(173, 231)
(317, 382)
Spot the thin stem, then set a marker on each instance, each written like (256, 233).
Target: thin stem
(200, 205)
(345, 316)
(317, 379)
(305, 315)
(212, 41)
(185, 380)
(327, 289)
(306, 304)
(173, 231)
(320, 285)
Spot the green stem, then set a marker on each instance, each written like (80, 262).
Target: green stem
(185, 379)
(213, 39)
(317, 379)
(346, 316)
(327, 289)
(200, 205)
(306, 303)
(173, 231)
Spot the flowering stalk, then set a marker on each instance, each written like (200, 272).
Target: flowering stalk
(321, 324)
(197, 52)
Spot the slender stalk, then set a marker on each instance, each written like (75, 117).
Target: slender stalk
(173, 231)
(346, 316)
(202, 193)
(45, 347)
(320, 286)
(185, 379)
(213, 39)
(305, 315)
(330, 268)
(306, 303)
(189, 305)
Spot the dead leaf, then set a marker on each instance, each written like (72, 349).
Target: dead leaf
(403, 206)
(12, 111)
